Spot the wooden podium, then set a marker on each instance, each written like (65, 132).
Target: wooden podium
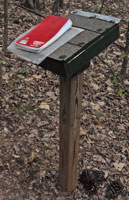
(69, 61)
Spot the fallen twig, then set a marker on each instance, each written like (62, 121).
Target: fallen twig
(122, 83)
(100, 10)
(30, 10)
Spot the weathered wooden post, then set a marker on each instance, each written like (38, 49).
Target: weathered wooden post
(69, 60)
(69, 129)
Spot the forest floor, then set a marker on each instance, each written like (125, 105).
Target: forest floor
(29, 119)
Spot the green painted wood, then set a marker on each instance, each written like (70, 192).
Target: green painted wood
(80, 63)
(74, 57)
(74, 45)
(54, 66)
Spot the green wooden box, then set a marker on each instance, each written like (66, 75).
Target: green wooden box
(73, 57)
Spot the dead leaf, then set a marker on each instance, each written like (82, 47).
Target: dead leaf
(37, 76)
(15, 156)
(106, 172)
(6, 77)
(84, 116)
(41, 174)
(95, 106)
(108, 82)
(121, 127)
(32, 156)
(89, 141)
(126, 82)
(44, 105)
(101, 103)
(4, 142)
(111, 134)
(117, 53)
(83, 132)
(127, 124)
(109, 89)
(20, 128)
(98, 158)
(100, 127)
(119, 166)
(34, 132)
(6, 130)
(51, 94)
(25, 161)
(95, 86)
(32, 66)
(28, 79)
(125, 149)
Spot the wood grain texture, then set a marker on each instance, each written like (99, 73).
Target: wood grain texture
(69, 129)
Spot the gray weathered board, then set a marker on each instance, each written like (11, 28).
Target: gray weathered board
(75, 55)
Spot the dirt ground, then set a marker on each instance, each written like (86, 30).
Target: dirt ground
(29, 118)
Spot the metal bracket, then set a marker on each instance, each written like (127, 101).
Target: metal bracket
(97, 16)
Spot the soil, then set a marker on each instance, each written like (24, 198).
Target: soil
(29, 118)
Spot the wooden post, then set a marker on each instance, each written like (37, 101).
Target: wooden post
(69, 129)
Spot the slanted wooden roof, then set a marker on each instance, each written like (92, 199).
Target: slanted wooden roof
(74, 56)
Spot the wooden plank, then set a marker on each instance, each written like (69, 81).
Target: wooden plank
(79, 61)
(92, 24)
(74, 56)
(85, 38)
(64, 52)
(69, 129)
(94, 49)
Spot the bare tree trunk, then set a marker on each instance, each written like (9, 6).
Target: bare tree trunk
(33, 3)
(126, 53)
(57, 4)
(102, 4)
(61, 3)
(69, 4)
(5, 38)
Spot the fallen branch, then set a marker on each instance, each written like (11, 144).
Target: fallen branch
(100, 10)
(119, 80)
(30, 10)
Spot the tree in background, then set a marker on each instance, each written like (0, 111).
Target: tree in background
(57, 4)
(126, 53)
(5, 37)
(33, 3)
